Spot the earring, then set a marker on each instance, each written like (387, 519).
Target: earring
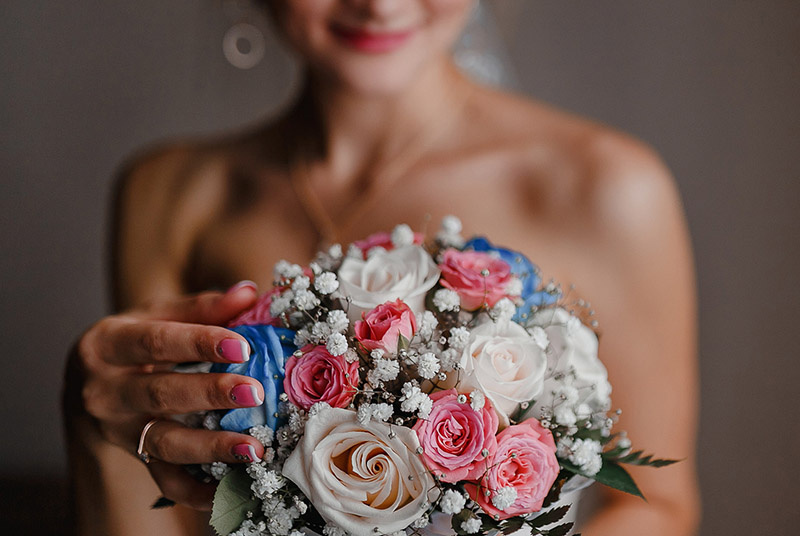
(480, 51)
(243, 44)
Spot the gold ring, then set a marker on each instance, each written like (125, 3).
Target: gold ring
(143, 454)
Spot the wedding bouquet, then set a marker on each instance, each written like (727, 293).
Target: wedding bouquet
(410, 388)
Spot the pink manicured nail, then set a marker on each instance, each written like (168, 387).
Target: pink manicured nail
(242, 284)
(234, 350)
(246, 395)
(244, 453)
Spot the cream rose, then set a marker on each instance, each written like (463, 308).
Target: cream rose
(406, 273)
(502, 360)
(572, 365)
(358, 476)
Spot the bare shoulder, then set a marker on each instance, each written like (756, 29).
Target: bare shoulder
(615, 188)
(631, 193)
(161, 177)
(631, 216)
(164, 197)
(614, 224)
(189, 172)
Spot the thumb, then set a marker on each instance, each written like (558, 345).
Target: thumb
(213, 308)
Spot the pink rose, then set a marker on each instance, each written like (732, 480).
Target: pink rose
(318, 376)
(382, 239)
(455, 436)
(531, 471)
(462, 272)
(382, 326)
(258, 314)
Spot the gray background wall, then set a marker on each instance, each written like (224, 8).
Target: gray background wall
(712, 84)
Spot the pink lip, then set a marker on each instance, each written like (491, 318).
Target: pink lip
(370, 41)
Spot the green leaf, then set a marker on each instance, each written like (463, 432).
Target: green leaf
(521, 413)
(488, 524)
(614, 454)
(561, 530)
(402, 342)
(640, 458)
(512, 525)
(232, 501)
(589, 433)
(611, 474)
(555, 490)
(459, 518)
(609, 438)
(549, 517)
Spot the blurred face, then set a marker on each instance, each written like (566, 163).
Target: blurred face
(371, 46)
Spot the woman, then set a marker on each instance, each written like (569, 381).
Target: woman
(386, 130)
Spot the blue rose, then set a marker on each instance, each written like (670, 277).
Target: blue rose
(269, 346)
(522, 268)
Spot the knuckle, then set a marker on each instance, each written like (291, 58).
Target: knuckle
(218, 391)
(205, 302)
(152, 341)
(88, 346)
(94, 402)
(221, 448)
(204, 346)
(206, 299)
(162, 446)
(158, 396)
(97, 344)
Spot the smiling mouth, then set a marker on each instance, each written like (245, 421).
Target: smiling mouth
(369, 41)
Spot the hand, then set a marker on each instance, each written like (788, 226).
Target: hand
(119, 377)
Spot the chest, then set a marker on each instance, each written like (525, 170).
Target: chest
(488, 195)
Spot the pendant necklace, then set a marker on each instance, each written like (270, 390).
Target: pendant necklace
(330, 231)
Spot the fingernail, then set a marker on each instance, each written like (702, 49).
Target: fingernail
(234, 350)
(244, 453)
(242, 284)
(246, 395)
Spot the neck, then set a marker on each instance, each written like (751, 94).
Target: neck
(354, 134)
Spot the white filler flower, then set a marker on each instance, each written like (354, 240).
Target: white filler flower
(471, 525)
(337, 344)
(326, 283)
(504, 497)
(452, 502)
(446, 300)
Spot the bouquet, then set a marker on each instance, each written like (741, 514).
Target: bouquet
(415, 388)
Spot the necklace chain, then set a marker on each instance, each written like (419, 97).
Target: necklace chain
(384, 178)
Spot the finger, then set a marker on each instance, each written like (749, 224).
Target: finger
(169, 393)
(177, 485)
(140, 342)
(173, 442)
(214, 308)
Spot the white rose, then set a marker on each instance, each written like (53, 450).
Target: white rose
(405, 273)
(361, 476)
(502, 360)
(572, 357)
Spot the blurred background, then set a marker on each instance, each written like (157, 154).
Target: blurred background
(713, 85)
